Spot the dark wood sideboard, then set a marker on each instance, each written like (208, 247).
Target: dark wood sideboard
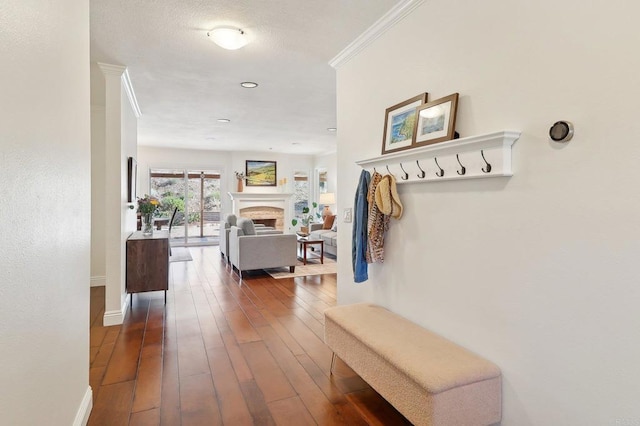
(148, 263)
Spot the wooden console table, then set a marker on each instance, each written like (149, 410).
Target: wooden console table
(148, 263)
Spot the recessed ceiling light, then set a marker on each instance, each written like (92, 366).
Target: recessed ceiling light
(249, 84)
(230, 38)
(331, 129)
(224, 120)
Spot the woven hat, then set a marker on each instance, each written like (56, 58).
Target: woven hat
(387, 198)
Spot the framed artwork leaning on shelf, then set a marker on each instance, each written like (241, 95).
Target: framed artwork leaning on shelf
(399, 124)
(436, 121)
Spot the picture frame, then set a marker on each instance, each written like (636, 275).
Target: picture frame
(436, 121)
(399, 124)
(261, 173)
(132, 179)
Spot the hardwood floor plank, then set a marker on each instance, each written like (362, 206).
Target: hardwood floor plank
(113, 405)
(233, 408)
(198, 404)
(268, 375)
(290, 412)
(148, 389)
(241, 326)
(321, 409)
(240, 366)
(375, 409)
(123, 364)
(256, 404)
(145, 418)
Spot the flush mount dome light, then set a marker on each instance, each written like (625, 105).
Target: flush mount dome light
(224, 120)
(249, 84)
(230, 38)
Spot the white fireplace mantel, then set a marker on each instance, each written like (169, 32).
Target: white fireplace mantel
(241, 200)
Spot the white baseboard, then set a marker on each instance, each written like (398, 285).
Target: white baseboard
(98, 281)
(116, 317)
(83, 413)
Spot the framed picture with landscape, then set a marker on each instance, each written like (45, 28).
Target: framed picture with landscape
(261, 173)
(436, 121)
(399, 124)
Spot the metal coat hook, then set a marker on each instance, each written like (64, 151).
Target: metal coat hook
(488, 169)
(406, 175)
(463, 170)
(422, 172)
(389, 171)
(441, 173)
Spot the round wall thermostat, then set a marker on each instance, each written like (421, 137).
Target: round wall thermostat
(561, 131)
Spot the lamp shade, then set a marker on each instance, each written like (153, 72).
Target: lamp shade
(229, 38)
(327, 198)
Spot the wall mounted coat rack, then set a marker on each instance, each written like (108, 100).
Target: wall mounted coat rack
(473, 157)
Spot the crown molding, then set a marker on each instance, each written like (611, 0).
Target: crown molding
(391, 18)
(123, 73)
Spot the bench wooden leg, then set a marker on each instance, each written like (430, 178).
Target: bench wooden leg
(333, 361)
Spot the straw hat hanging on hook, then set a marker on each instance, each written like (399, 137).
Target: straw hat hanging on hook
(387, 198)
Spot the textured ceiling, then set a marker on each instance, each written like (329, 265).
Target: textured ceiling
(184, 82)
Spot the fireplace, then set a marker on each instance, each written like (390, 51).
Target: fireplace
(269, 209)
(266, 215)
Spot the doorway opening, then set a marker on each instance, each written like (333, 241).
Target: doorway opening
(196, 196)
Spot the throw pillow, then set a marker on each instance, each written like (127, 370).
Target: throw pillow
(328, 222)
(334, 228)
(247, 226)
(231, 219)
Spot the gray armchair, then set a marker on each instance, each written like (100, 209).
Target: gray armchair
(251, 250)
(225, 226)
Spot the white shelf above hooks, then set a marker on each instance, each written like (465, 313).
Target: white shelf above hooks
(473, 157)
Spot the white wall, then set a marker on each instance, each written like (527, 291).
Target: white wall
(120, 142)
(224, 161)
(537, 272)
(98, 173)
(45, 212)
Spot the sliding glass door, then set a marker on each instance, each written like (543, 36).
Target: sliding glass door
(196, 196)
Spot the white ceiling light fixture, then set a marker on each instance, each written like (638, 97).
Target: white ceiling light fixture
(230, 38)
(331, 129)
(249, 84)
(224, 120)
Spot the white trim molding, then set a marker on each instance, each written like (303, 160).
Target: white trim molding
(121, 71)
(391, 18)
(84, 411)
(116, 317)
(98, 281)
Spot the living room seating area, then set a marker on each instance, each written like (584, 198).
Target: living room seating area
(327, 232)
(250, 249)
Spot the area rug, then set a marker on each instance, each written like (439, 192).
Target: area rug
(311, 268)
(180, 254)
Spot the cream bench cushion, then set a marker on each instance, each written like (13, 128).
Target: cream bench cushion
(429, 379)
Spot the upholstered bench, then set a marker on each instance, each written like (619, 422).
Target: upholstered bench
(429, 379)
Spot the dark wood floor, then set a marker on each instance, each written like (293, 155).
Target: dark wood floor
(225, 351)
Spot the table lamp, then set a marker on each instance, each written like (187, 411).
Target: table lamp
(326, 199)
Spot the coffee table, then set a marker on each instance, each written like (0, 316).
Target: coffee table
(304, 242)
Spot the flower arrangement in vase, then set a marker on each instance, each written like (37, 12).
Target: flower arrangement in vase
(147, 206)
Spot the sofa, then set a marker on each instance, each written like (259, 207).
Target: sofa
(249, 249)
(327, 233)
(225, 226)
